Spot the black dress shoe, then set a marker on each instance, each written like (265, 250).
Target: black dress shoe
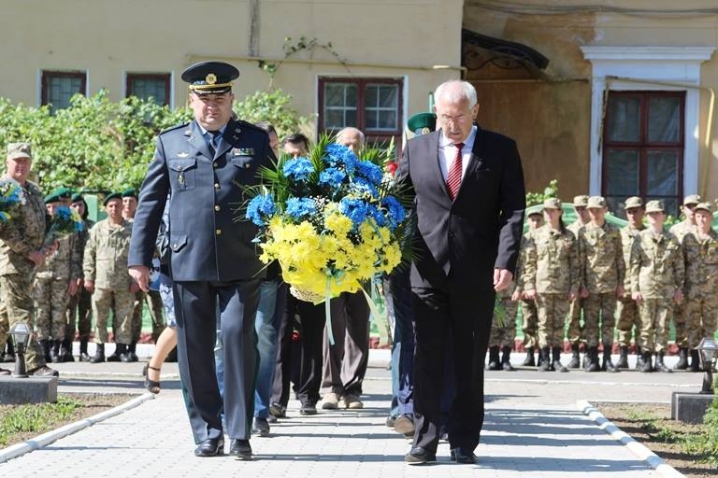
(241, 449)
(419, 456)
(463, 456)
(210, 447)
(278, 410)
(308, 409)
(43, 371)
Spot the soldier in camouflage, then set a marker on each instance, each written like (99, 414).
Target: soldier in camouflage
(575, 331)
(55, 283)
(551, 277)
(657, 278)
(503, 331)
(628, 317)
(700, 249)
(603, 269)
(21, 241)
(679, 319)
(106, 277)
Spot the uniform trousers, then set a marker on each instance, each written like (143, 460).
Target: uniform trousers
(599, 308)
(628, 318)
(552, 310)
(15, 290)
(655, 324)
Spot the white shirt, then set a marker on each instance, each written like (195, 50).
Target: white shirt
(447, 153)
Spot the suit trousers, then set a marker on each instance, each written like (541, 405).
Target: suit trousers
(346, 361)
(466, 316)
(283, 366)
(398, 303)
(196, 305)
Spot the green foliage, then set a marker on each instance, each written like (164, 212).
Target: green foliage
(273, 106)
(705, 444)
(533, 199)
(35, 418)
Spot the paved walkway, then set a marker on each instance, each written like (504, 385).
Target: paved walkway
(533, 429)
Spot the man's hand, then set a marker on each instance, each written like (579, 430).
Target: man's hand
(134, 288)
(572, 296)
(90, 286)
(620, 290)
(73, 286)
(516, 296)
(637, 296)
(51, 249)
(502, 279)
(37, 257)
(583, 293)
(530, 294)
(141, 275)
(678, 296)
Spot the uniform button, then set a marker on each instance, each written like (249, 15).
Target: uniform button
(216, 185)
(216, 207)
(218, 231)
(216, 165)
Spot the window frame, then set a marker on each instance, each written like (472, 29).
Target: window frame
(47, 75)
(166, 77)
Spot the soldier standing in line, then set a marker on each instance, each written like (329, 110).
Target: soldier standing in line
(700, 249)
(21, 252)
(55, 283)
(679, 319)
(628, 316)
(603, 268)
(657, 278)
(575, 331)
(503, 330)
(529, 314)
(79, 309)
(551, 276)
(106, 277)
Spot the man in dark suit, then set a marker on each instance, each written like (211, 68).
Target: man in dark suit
(203, 166)
(470, 201)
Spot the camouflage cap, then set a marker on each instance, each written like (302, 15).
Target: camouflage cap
(552, 203)
(18, 150)
(705, 206)
(596, 202)
(655, 206)
(534, 211)
(581, 201)
(692, 199)
(632, 202)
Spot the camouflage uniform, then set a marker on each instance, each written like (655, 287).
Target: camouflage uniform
(680, 230)
(657, 271)
(552, 270)
(529, 313)
(628, 315)
(504, 335)
(79, 308)
(19, 237)
(701, 259)
(105, 264)
(603, 270)
(574, 334)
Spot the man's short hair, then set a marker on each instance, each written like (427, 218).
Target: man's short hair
(297, 138)
(465, 92)
(266, 126)
(353, 130)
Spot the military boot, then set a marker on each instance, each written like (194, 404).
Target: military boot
(607, 365)
(529, 361)
(647, 363)
(55, 351)
(639, 358)
(575, 357)
(545, 360)
(623, 359)
(45, 346)
(556, 365)
(123, 351)
(506, 359)
(695, 361)
(660, 366)
(132, 352)
(99, 354)
(494, 359)
(115, 357)
(591, 359)
(682, 359)
(84, 357)
(66, 351)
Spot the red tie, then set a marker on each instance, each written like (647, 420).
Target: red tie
(453, 182)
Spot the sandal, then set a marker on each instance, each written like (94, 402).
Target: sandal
(151, 385)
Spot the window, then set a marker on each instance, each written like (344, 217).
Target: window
(59, 86)
(643, 144)
(374, 105)
(146, 86)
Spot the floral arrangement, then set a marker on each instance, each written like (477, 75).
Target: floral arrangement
(330, 219)
(10, 195)
(64, 222)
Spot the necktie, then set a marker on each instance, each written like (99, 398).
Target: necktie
(213, 141)
(453, 181)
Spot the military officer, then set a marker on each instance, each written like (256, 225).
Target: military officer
(21, 251)
(679, 320)
(628, 317)
(603, 268)
(203, 166)
(575, 331)
(657, 277)
(106, 277)
(700, 248)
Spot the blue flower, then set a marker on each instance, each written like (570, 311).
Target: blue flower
(361, 186)
(395, 211)
(259, 208)
(63, 212)
(355, 209)
(298, 169)
(333, 177)
(338, 155)
(300, 207)
(377, 215)
(370, 171)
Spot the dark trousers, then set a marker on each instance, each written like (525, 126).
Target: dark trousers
(467, 315)
(346, 361)
(284, 361)
(398, 304)
(195, 309)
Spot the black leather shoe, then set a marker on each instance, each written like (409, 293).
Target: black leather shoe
(43, 371)
(308, 409)
(210, 447)
(278, 410)
(419, 456)
(463, 456)
(241, 449)
(261, 427)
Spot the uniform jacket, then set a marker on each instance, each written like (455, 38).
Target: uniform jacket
(24, 233)
(66, 262)
(601, 256)
(551, 265)
(481, 229)
(701, 259)
(681, 229)
(657, 268)
(209, 239)
(105, 260)
(628, 235)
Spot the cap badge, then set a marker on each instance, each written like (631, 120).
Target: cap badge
(211, 79)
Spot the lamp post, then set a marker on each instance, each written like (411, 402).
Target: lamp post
(20, 334)
(708, 354)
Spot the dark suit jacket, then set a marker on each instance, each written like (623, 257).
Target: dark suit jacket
(480, 230)
(208, 239)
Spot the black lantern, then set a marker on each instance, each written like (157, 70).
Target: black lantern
(708, 354)
(20, 335)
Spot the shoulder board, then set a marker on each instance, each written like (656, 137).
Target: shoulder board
(179, 126)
